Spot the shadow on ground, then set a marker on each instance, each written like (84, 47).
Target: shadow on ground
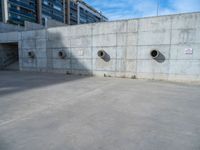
(70, 67)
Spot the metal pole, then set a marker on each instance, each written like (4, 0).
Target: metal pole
(158, 4)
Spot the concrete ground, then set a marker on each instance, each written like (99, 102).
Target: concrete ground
(41, 111)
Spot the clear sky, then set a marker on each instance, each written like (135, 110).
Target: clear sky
(124, 9)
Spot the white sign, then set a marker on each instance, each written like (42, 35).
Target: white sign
(189, 51)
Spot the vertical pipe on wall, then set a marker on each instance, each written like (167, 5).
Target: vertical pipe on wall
(5, 10)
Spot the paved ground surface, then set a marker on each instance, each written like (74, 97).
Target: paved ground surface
(56, 112)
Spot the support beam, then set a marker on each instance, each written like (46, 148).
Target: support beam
(39, 11)
(64, 19)
(78, 13)
(68, 12)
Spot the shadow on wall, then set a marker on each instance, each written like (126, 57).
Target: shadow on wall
(60, 59)
(66, 59)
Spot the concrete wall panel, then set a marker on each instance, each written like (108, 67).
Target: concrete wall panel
(179, 52)
(132, 26)
(154, 37)
(127, 43)
(186, 21)
(9, 37)
(29, 44)
(184, 36)
(110, 27)
(81, 42)
(155, 24)
(105, 40)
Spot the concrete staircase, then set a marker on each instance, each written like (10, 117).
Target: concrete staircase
(10, 62)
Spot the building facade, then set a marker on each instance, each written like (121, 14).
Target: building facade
(79, 12)
(52, 9)
(39, 11)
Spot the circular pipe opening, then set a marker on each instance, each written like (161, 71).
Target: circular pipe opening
(61, 54)
(101, 53)
(154, 53)
(31, 54)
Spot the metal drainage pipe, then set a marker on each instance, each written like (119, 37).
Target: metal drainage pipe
(62, 54)
(101, 54)
(31, 54)
(154, 54)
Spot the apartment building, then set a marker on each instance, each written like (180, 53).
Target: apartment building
(39, 11)
(79, 12)
(17, 11)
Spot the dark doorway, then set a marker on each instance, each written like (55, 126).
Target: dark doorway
(9, 56)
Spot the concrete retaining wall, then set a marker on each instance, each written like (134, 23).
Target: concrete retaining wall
(9, 28)
(128, 44)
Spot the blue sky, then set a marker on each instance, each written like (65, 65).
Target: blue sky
(124, 9)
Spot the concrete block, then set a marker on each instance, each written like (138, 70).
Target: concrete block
(41, 63)
(124, 39)
(131, 66)
(121, 52)
(41, 34)
(184, 67)
(154, 38)
(58, 43)
(125, 65)
(80, 30)
(105, 40)
(41, 43)
(9, 37)
(29, 63)
(28, 35)
(131, 52)
(132, 39)
(132, 25)
(19, 36)
(110, 27)
(58, 33)
(178, 52)
(81, 41)
(61, 64)
(41, 53)
(152, 67)
(144, 52)
(155, 24)
(185, 36)
(111, 52)
(128, 52)
(28, 44)
(81, 52)
(186, 21)
(101, 65)
(82, 64)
